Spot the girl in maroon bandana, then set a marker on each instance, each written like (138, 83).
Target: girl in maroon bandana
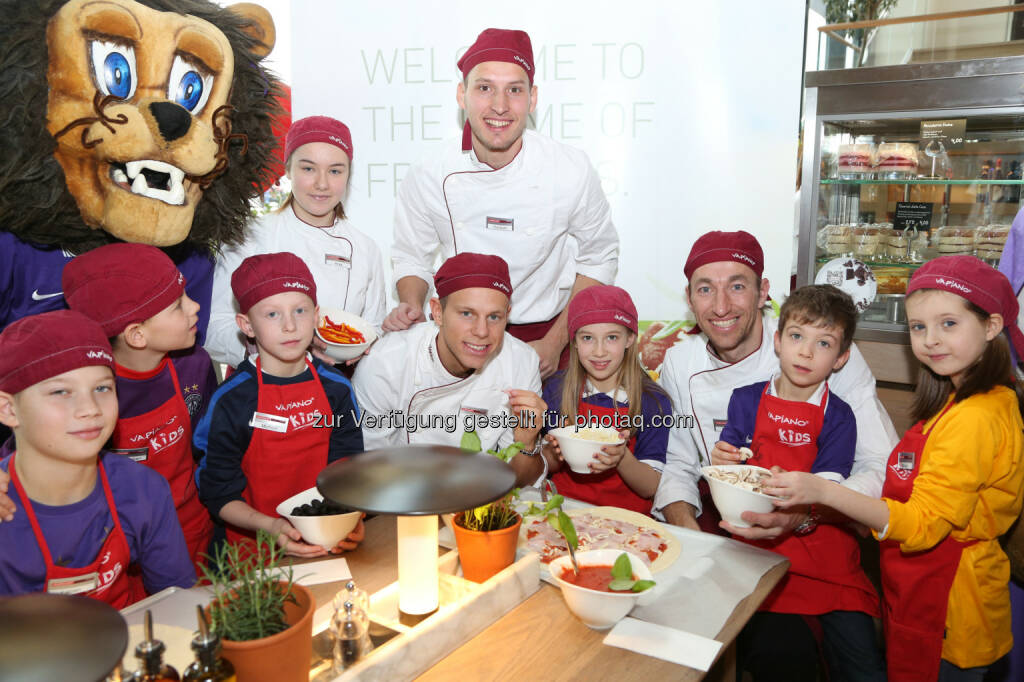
(605, 383)
(953, 483)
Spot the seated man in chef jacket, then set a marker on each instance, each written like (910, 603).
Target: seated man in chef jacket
(433, 383)
(734, 347)
(510, 191)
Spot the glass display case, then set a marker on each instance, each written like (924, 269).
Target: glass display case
(903, 164)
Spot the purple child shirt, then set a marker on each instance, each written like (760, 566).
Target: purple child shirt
(75, 532)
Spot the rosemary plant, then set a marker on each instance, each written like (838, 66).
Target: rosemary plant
(250, 590)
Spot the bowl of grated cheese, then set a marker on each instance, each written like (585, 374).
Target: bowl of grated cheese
(580, 445)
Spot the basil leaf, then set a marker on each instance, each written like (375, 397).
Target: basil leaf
(470, 442)
(620, 585)
(555, 501)
(622, 569)
(553, 521)
(641, 585)
(568, 529)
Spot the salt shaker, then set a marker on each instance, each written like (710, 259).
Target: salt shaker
(349, 631)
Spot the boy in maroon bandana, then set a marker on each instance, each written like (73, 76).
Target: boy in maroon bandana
(282, 416)
(85, 516)
(164, 379)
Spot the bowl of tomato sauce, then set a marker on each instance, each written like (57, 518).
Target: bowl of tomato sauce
(587, 593)
(345, 334)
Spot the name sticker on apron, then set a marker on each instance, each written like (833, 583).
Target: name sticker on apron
(74, 585)
(269, 422)
(905, 460)
(335, 259)
(134, 454)
(502, 224)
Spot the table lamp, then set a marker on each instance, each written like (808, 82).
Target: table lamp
(59, 637)
(416, 483)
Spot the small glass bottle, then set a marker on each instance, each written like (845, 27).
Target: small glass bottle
(150, 653)
(208, 666)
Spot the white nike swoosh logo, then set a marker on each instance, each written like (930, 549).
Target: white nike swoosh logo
(36, 296)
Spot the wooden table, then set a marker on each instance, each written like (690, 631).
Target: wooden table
(540, 639)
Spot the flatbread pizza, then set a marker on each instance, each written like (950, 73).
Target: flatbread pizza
(604, 528)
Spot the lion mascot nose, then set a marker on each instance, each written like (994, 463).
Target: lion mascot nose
(173, 120)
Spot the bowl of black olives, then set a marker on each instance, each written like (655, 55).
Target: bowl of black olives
(321, 521)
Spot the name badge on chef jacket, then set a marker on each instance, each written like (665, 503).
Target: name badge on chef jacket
(340, 261)
(719, 423)
(501, 224)
(269, 422)
(74, 585)
(134, 454)
(905, 461)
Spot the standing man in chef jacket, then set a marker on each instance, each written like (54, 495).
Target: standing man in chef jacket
(734, 347)
(433, 383)
(510, 192)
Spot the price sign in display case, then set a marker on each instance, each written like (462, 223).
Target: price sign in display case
(902, 164)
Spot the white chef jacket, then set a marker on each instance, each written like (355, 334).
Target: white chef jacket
(346, 265)
(700, 385)
(544, 213)
(403, 377)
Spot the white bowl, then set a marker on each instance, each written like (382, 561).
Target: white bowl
(598, 609)
(731, 500)
(579, 452)
(345, 351)
(326, 531)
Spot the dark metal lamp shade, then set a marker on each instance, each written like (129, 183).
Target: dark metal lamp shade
(416, 480)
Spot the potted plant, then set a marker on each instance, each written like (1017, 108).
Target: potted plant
(487, 536)
(263, 618)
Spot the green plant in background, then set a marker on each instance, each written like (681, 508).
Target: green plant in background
(495, 515)
(841, 11)
(250, 589)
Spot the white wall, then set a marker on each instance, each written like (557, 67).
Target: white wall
(689, 112)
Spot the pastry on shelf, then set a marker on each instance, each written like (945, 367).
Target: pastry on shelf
(892, 280)
(867, 240)
(856, 158)
(954, 240)
(897, 244)
(897, 157)
(835, 239)
(990, 240)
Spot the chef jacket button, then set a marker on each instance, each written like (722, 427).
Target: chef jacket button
(530, 231)
(458, 225)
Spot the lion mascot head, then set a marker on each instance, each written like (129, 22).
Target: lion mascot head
(144, 121)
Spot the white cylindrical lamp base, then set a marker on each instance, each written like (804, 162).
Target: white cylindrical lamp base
(417, 565)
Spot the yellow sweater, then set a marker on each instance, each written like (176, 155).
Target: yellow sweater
(970, 487)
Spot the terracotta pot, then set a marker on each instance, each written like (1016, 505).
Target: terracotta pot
(484, 553)
(284, 657)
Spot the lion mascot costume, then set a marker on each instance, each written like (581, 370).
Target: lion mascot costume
(143, 121)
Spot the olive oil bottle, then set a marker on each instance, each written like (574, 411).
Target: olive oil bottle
(208, 666)
(150, 653)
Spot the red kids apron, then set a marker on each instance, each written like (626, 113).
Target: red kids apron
(606, 488)
(286, 451)
(161, 439)
(916, 585)
(824, 573)
(106, 578)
